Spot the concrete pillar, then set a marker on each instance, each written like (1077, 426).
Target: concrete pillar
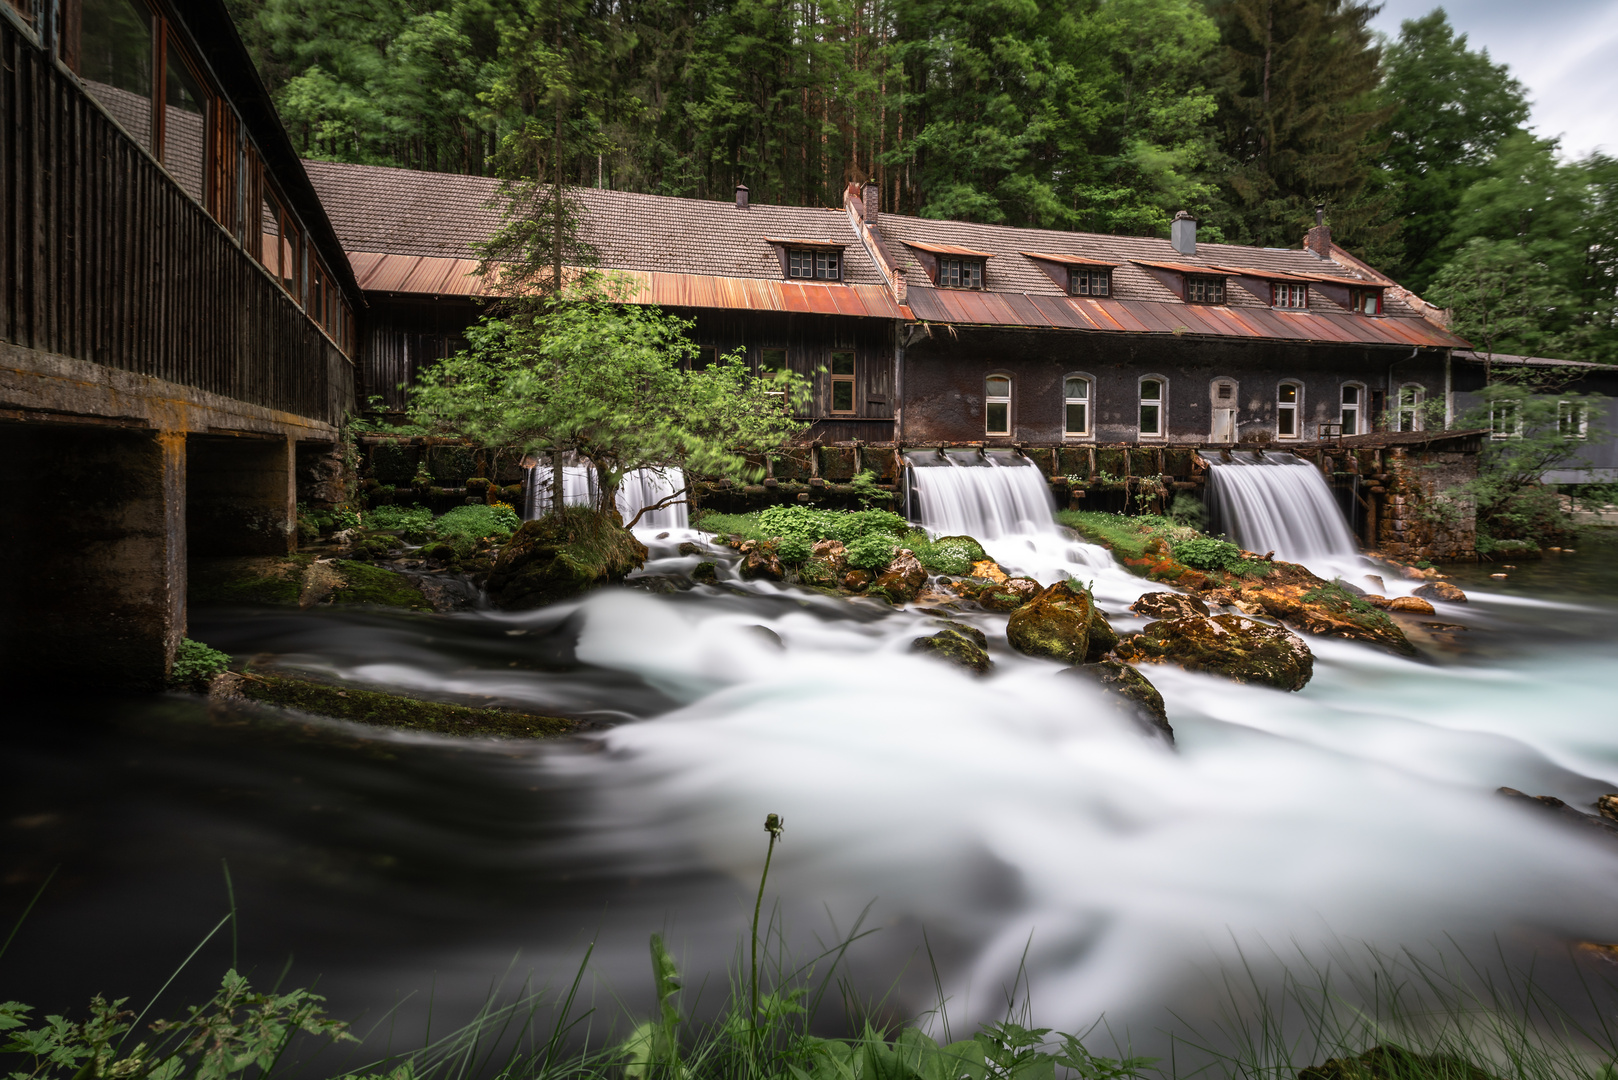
(93, 546)
(243, 495)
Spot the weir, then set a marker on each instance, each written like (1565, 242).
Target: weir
(989, 495)
(1279, 503)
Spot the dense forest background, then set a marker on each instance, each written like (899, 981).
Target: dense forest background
(1095, 115)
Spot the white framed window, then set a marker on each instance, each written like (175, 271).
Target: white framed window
(1408, 408)
(807, 263)
(1076, 406)
(1353, 403)
(1283, 295)
(997, 405)
(1365, 301)
(960, 273)
(1288, 396)
(1152, 395)
(1087, 281)
(1505, 419)
(1572, 419)
(1200, 289)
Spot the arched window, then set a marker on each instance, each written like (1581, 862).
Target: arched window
(1288, 396)
(1152, 395)
(997, 405)
(1353, 407)
(1409, 411)
(1076, 406)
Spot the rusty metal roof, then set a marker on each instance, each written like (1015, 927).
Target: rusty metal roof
(948, 249)
(1067, 260)
(420, 274)
(798, 242)
(1276, 275)
(1180, 268)
(1160, 317)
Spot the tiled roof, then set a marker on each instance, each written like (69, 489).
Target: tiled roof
(405, 212)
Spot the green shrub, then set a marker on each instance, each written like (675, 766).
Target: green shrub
(865, 490)
(793, 549)
(195, 663)
(797, 523)
(848, 527)
(475, 521)
(414, 523)
(870, 551)
(1207, 553)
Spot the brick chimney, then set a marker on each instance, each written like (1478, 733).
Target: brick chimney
(741, 196)
(873, 199)
(1318, 239)
(1183, 233)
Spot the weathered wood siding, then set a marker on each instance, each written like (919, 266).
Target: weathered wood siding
(404, 336)
(104, 258)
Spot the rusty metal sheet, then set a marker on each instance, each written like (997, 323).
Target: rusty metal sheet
(1208, 319)
(1280, 275)
(1179, 268)
(1103, 314)
(948, 249)
(1059, 311)
(1024, 310)
(1125, 314)
(800, 242)
(1068, 260)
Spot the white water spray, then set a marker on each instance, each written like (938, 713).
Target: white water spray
(1280, 503)
(639, 488)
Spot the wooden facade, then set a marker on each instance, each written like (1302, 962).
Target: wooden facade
(402, 336)
(105, 257)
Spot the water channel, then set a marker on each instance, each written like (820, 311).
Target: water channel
(1006, 826)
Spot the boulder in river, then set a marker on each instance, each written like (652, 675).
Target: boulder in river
(901, 579)
(1234, 646)
(761, 563)
(1054, 624)
(959, 644)
(1169, 605)
(1413, 605)
(560, 556)
(1129, 691)
(1103, 638)
(1442, 590)
(832, 553)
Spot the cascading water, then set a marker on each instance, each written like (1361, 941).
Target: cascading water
(1000, 498)
(578, 488)
(644, 487)
(1280, 503)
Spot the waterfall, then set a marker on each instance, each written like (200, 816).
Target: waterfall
(638, 488)
(988, 497)
(643, 487)
(1280, 503)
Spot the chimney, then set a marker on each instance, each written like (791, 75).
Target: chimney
(1183, 233)
(1318, 239)
(741, 196)
(873, 198)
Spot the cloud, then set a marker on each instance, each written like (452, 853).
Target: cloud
(1561, 50)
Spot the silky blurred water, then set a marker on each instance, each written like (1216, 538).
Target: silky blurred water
(1014, 825)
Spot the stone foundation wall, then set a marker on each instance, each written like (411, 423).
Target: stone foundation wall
(1419, 520)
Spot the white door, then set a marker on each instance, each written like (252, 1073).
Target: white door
(1222, 395)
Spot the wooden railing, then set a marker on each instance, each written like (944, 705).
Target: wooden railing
(103, 257)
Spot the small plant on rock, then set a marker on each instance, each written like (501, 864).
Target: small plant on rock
(195, 664)
(1207, 553)
(870, 551)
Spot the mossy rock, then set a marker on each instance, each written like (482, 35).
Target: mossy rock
(818, 573)
(559, 556)
(1054, 624)
(705, 573)
(272, 580)
(389, 710)
(1103, 638)
(1395, 1063)
(1235, 647)
(964, 646)
(1129, 691)
(365, 584)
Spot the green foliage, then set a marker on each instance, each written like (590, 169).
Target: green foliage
(195, 664)
(866, 490)
(237, 1033)
(413, 523)
(1188, 510)
(870, 551)
(609, 382)
(476, 521)
(1207, 553)
(953, 555)
(796, 523)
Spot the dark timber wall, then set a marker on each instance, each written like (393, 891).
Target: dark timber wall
(104, 258)
(405, 335)
(943, 379)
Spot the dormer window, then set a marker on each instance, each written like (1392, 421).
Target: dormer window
(820, 265)
(1087, 281)
(1204, 289)
(956, 273)
(1284, 295)
(1365, 301)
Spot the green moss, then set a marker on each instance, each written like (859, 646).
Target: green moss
(374, 585)
(1337, 600)
(247, 580)
(561, 555)
(398, 711)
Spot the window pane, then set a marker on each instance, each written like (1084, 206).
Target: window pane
(842, 363)
(291, 262)
(999, 418)
(826, 265)
(185, 125)
(1289, 393)
(1285, 422)
(997, 386)
(116, 62)
(772, 359)
(1351, 395)
(1148, 419)
(1077, 420)
(842, 396)
(1077, 388)
(270, 233)
(1151, 389)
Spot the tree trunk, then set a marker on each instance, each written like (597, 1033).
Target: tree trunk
(558, 486)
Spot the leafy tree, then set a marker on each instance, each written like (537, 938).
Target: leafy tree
(1451, 109)
(1502, 297)
(1298, 116)
(610, 382)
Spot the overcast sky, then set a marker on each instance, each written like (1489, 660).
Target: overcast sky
(1564, 51)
